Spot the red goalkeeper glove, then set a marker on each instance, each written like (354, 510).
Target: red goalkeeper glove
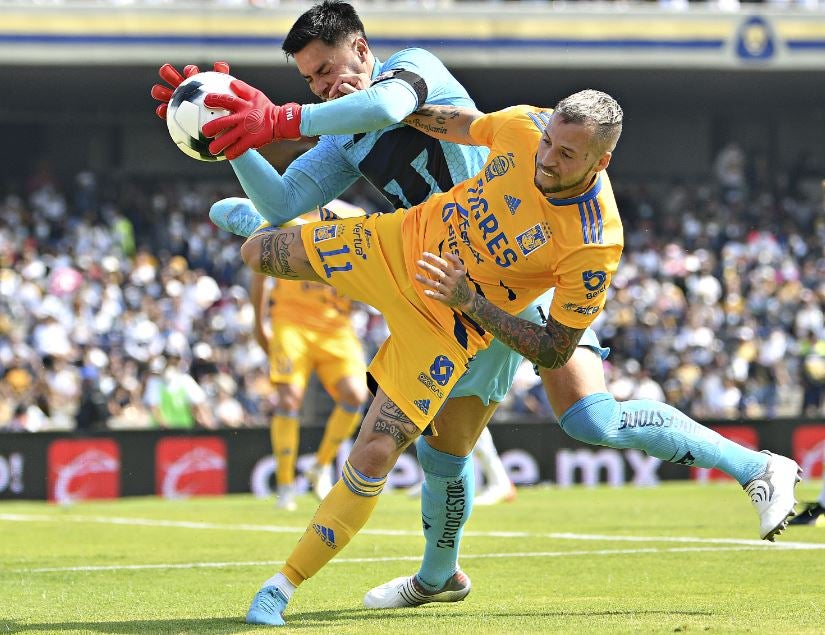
(255, 121)
(171, 76)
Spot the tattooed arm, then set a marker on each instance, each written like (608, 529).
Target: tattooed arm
(448, 123)
(549, 346)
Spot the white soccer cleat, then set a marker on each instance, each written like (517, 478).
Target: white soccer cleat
(495, 495)
(414, 491)
(320, 478)
(772, 494)
(285, 498)
(407, 591)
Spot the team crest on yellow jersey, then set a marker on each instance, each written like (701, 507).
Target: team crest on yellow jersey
(324, 232)
(499, 165)
(533, 238)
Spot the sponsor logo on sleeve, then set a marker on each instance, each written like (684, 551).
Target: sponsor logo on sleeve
(578, 308)
(594, 283)
(361, 240)
(593, 279)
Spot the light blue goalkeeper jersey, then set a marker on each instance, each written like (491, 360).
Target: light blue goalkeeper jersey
(361, 135)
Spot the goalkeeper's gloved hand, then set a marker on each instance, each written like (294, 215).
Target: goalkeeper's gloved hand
(255, 121)
(171, 76)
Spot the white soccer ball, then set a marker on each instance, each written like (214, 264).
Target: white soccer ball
(187, 114)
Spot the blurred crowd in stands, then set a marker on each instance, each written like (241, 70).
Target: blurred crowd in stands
(122, 306)
(722, 5)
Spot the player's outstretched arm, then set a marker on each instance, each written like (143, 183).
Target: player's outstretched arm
(255, 121)
(448, 123)
(549, 346)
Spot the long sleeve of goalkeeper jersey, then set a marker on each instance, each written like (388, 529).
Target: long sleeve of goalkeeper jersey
(376, 107)
(278, 198)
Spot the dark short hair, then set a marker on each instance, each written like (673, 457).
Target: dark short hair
(330, 21)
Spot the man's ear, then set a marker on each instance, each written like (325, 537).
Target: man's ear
(362, 48)
(603, 162)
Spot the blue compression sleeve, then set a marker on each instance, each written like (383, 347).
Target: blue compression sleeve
(374, 108)
(278, 198)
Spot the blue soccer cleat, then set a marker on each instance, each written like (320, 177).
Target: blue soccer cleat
(267, 607)
(236, 215)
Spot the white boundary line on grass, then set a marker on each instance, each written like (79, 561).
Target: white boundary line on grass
(270, 563)
(185, 524)
(736, 544)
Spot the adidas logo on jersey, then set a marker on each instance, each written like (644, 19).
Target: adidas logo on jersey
(512, 203)
(423, 405)
(326, 534)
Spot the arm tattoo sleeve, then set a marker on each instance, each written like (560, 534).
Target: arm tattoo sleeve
(275, 255)
(438, 121)
(549, 346)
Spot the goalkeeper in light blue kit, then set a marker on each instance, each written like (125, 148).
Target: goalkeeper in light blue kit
(362, 134)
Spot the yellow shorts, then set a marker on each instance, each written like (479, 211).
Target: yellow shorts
(295, 351)
(429, 346)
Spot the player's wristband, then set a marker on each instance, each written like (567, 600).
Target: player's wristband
(288, 122)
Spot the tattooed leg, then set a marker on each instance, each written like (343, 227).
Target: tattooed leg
(385, 432)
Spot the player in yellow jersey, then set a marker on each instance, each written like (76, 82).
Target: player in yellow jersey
(540, 214)
(311, 332)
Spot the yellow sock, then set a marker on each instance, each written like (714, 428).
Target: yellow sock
(340, 426)
(284, 434)
(339, 517)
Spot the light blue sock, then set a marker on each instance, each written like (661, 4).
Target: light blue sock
(446, 504)
(661, 431)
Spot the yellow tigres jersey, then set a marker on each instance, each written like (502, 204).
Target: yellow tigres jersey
(514, 242)
(312, 304)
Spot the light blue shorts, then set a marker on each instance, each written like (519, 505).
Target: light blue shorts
(492, 370)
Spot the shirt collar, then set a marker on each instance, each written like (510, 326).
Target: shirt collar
(592, 193)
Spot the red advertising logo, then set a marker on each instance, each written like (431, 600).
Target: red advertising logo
(190, 466)
(81, 469)
(809, 449)
(743, 435)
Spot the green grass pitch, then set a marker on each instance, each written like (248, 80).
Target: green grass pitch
(679, 557)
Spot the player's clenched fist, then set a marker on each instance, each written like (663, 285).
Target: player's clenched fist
(255, 121)
(173, 77)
